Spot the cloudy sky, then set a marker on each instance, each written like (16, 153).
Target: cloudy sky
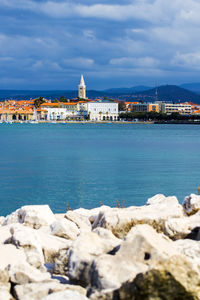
(48, 44)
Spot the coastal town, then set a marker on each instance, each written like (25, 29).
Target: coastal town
(84, 109)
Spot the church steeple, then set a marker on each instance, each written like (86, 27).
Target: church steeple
(82, 88)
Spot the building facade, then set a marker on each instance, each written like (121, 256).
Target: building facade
(145, 107)
(102, 111)
(180, 108)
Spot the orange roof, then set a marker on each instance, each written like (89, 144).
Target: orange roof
(69, 103)
(56, 104)
(196, 112)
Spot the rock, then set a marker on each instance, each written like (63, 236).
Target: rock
(191, 204)
(28, 239)
(59, 216)
(61, 263)
(189, 248)
(179, 228)
(2, 219)
(5, 234)
(92, 214)
(36, 291)
(83, 251)
(52, 245)
(81, 221)
(142, 248)
(65, 229)
(23, 273)
(156, 213)
(32, 215)
(65, 295)
(107, 235)
(174, 278)
(10, 255)
(5, 292)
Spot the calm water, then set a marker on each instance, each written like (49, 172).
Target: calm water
(84, 164)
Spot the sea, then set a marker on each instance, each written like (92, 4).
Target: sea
(85, 165)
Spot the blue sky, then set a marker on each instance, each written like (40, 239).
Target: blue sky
(48, 44)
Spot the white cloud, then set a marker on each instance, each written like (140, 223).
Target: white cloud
(143, 62)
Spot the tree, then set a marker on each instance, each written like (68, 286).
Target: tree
(38, 102)
(62, 99)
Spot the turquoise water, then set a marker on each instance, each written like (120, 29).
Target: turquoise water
(85, 164)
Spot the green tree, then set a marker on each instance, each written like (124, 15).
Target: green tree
(38, 102)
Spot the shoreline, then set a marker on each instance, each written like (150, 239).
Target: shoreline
(104, 122)
(133, 252)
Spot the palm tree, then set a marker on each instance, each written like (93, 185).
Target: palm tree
(53, 113)
(100, 113)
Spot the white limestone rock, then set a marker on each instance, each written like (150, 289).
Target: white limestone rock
(189, 248)
(191, 204)
(5, 292)
(81, 221)
(156, 213)
(32, 215)
(28, 239)
(93, 213)
(179, 228)
(142, 248)
(37, 291)
(23, 273)
(5, 234)
(52, 245)
(2, 219)
(65, 295)
(65, 229)
(83, 251)
(10, 255)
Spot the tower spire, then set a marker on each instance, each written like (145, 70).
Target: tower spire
(82, 89)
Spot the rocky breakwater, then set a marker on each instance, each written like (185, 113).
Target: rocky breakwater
(147, 252)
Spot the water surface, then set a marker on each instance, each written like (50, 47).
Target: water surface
(85, 164)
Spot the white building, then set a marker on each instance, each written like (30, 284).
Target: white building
(102, 111)
(182, 108)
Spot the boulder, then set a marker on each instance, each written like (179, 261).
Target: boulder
(81, 221)
(173, 278)
(2, 219)
(191, 204)
(52, 245)
(65, 229)
(180, 228)
(92, 214)
(10, 255)
(32, 215)
(83, 251)
(61, 263)
(65, 295)
(5, 234)
(157, 211)
(142, 248)
(36, 291)
(28, 239)
(189, 248)
(5, 292)
(23, 273)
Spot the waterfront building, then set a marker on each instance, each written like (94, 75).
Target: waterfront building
(82, 89)
(181, 108)
(102, 111)
(145, 107)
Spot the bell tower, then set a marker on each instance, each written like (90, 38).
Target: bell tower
(82, 89)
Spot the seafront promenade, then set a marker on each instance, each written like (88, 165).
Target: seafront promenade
(102, 253)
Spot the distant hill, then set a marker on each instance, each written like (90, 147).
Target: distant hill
(26, 94)
(194, 87)
(168, 93)
(123, 90)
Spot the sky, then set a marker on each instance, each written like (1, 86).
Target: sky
(49, 44)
